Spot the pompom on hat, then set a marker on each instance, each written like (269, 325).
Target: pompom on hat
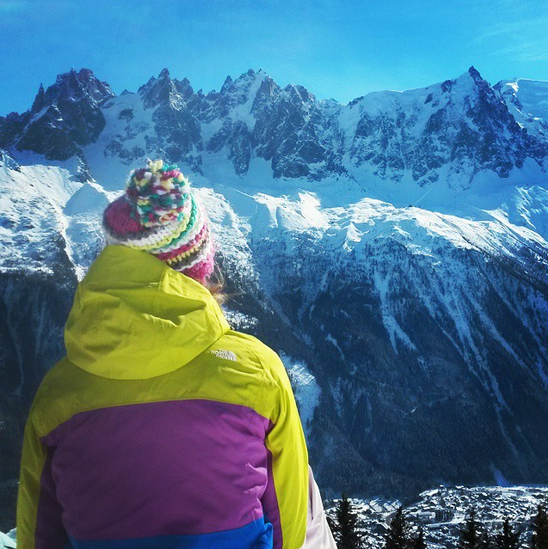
(159, 214)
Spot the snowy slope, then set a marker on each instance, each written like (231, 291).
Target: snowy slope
(528, 103)
(7, 541)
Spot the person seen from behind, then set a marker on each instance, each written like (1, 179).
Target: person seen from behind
(162, 427)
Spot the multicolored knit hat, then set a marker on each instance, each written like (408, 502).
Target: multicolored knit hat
(159, 214)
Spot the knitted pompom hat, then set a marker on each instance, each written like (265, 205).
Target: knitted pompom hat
(159, 214)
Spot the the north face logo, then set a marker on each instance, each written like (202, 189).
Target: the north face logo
(223, 353)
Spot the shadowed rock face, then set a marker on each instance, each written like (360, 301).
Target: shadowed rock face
(454, 393)
(65, 117)
(33, 312)
(177, 129)
(432, 367)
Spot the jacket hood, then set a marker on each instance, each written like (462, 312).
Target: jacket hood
(134, 317)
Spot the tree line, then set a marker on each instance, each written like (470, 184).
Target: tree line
(402, 534)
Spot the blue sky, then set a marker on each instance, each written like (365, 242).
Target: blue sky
(340, 49)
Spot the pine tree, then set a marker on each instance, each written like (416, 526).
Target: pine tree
(507, 538)
(473, 535)
(398, 536)
(418, 542)
(486, 541)
(345, 527)
(539, 539)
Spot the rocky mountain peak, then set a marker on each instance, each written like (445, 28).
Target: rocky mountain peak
(39, 99)
(184, 88)
(474, 73)
(226, 84)
(236, 92)
(165, 90)
(267, 89)
(468, 82)
(81, 85)
(300, 93)
(164, 74)
(244, 82)
(64, 117)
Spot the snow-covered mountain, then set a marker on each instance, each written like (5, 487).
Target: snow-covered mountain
(393, 249)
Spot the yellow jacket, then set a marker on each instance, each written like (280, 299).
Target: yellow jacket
(161, 427)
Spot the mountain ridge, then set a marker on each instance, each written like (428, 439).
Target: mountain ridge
(333, 139)
(393, 250)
